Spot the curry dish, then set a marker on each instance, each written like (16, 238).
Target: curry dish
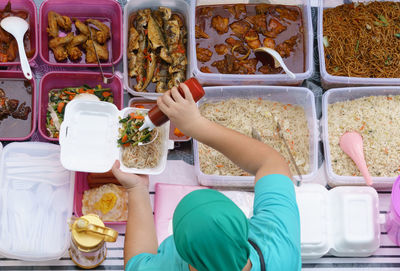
(226, 36)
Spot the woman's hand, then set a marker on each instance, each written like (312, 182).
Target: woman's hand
(183, 112)
(129, 180)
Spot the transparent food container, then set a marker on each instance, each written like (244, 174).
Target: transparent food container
(181, 7)
(330, 81)
(30, 7)
(14, 85)
(59, 80)
(258, 79)
(343, 222)
(108, 12)
(89, 138)
(342, 95)
(36, 202)
(293, 95)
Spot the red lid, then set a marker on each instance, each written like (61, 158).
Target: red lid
(195, 88)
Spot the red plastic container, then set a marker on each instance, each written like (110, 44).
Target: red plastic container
(30, 7)
(57, 80)
(81, 185)
(108, 11)
(4, 75)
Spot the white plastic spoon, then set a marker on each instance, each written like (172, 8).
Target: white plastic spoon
(17, 27)
(264, 54)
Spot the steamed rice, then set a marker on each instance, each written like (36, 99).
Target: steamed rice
(243, 114)
(376, 118)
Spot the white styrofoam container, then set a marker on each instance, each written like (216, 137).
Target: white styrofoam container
(27, 250)
(89, 135)
(181, 6)
(330, 81)
(343, 222)
(293, 95)
(257, 79)
(341, 95)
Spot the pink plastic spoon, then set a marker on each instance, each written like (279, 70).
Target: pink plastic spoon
(352, 144)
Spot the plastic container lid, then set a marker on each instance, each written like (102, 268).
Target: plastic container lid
(36, 202)
(342, 221)
(89, 134)
(395, 198)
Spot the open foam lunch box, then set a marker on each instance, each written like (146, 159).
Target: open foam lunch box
(89, 134)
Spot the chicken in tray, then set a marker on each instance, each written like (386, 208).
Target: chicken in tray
(11, 107)
(156, 50)
(88, 36)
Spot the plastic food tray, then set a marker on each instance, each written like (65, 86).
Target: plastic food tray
(148, 104)
(57, 240)
(89, 134)
(258, 79)
(181, 6)
(81, 185)
(58, 80)
(343, 221)
(108, 10)
(30, 7)
(330, 81)
(33, 115)
(341, 95)
(293, 95)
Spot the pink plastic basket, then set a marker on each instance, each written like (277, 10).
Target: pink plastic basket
(30, 7)
(33, 114)
(104, 10)
(81, 185)
(393, 216)
(57, 80)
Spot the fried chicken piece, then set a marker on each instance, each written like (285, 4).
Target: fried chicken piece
(240, 28)
(4, 36)
(133, 43)
(221, 49)
(2, 93)
(203, 54)
(12, 50)
(205, 11)
(248, 66)
(205, 69)
(268, 42)
(101, 50)
(200, 34)
(252, 39)
(103, 34)
(236, 10)
(57, 45)
(83, 28)
(274, 28)
(237, 44)
(267, 69)
(220, 24)
(74, 52)
(259, 22)
(286, 47)
(53, 26)
(225, 66)
(55, 20)
(289, 14)
(263, 8)
(22, 112)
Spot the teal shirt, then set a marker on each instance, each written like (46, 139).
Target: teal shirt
(274, 227)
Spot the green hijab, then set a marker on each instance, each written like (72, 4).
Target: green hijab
(210, 232)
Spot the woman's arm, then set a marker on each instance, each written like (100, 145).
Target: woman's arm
(140, 236)
(251, 155)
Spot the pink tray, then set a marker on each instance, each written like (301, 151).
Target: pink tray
(30, 7)
(57, 80)
(108, 10)
(33, 114)
(81, 185)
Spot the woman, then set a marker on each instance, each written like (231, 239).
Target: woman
(210, 231)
